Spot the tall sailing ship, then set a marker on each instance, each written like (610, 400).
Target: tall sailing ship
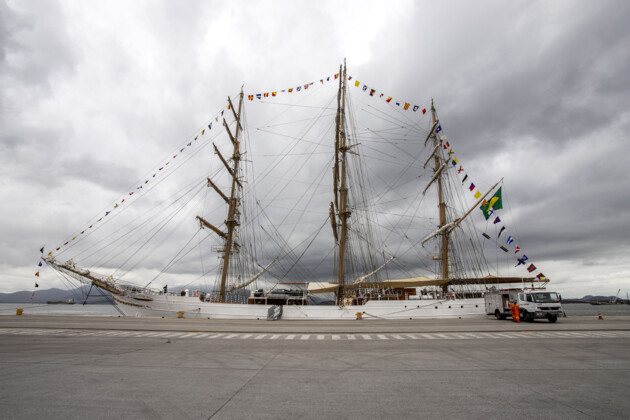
(392, 233)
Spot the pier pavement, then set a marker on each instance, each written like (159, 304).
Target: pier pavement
(84, 367)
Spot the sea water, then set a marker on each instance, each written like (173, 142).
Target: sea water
(59, 309)
(586, 309)
(571, 309)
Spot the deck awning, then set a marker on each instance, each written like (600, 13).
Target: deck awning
(329, 287)
(421, 281)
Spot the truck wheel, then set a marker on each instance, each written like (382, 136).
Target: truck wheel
(499, 315)
(527, 317)
(553, 318)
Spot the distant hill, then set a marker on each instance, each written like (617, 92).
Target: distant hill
(591, 298)
(42, 296)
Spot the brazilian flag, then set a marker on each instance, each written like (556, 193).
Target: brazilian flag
(494, 203)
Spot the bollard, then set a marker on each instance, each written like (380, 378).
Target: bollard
(19, 311)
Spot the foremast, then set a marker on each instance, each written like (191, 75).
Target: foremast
(233, 201)
(231, 221)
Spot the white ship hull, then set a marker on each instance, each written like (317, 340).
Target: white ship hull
(191, 307)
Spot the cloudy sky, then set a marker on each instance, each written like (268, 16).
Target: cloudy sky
(536, 92)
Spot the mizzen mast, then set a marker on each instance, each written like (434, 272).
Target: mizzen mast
(442, 205)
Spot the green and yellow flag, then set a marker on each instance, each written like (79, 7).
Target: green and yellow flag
(494, 203)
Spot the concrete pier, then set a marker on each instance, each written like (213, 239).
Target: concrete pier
(84, 367)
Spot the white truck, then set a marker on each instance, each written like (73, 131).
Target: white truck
(533, 304)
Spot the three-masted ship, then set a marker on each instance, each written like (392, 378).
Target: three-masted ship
(437, 274)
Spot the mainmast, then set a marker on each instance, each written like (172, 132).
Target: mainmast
(341, 189)
(442, 205)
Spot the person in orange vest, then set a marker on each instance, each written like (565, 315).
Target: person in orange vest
(515, 312)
